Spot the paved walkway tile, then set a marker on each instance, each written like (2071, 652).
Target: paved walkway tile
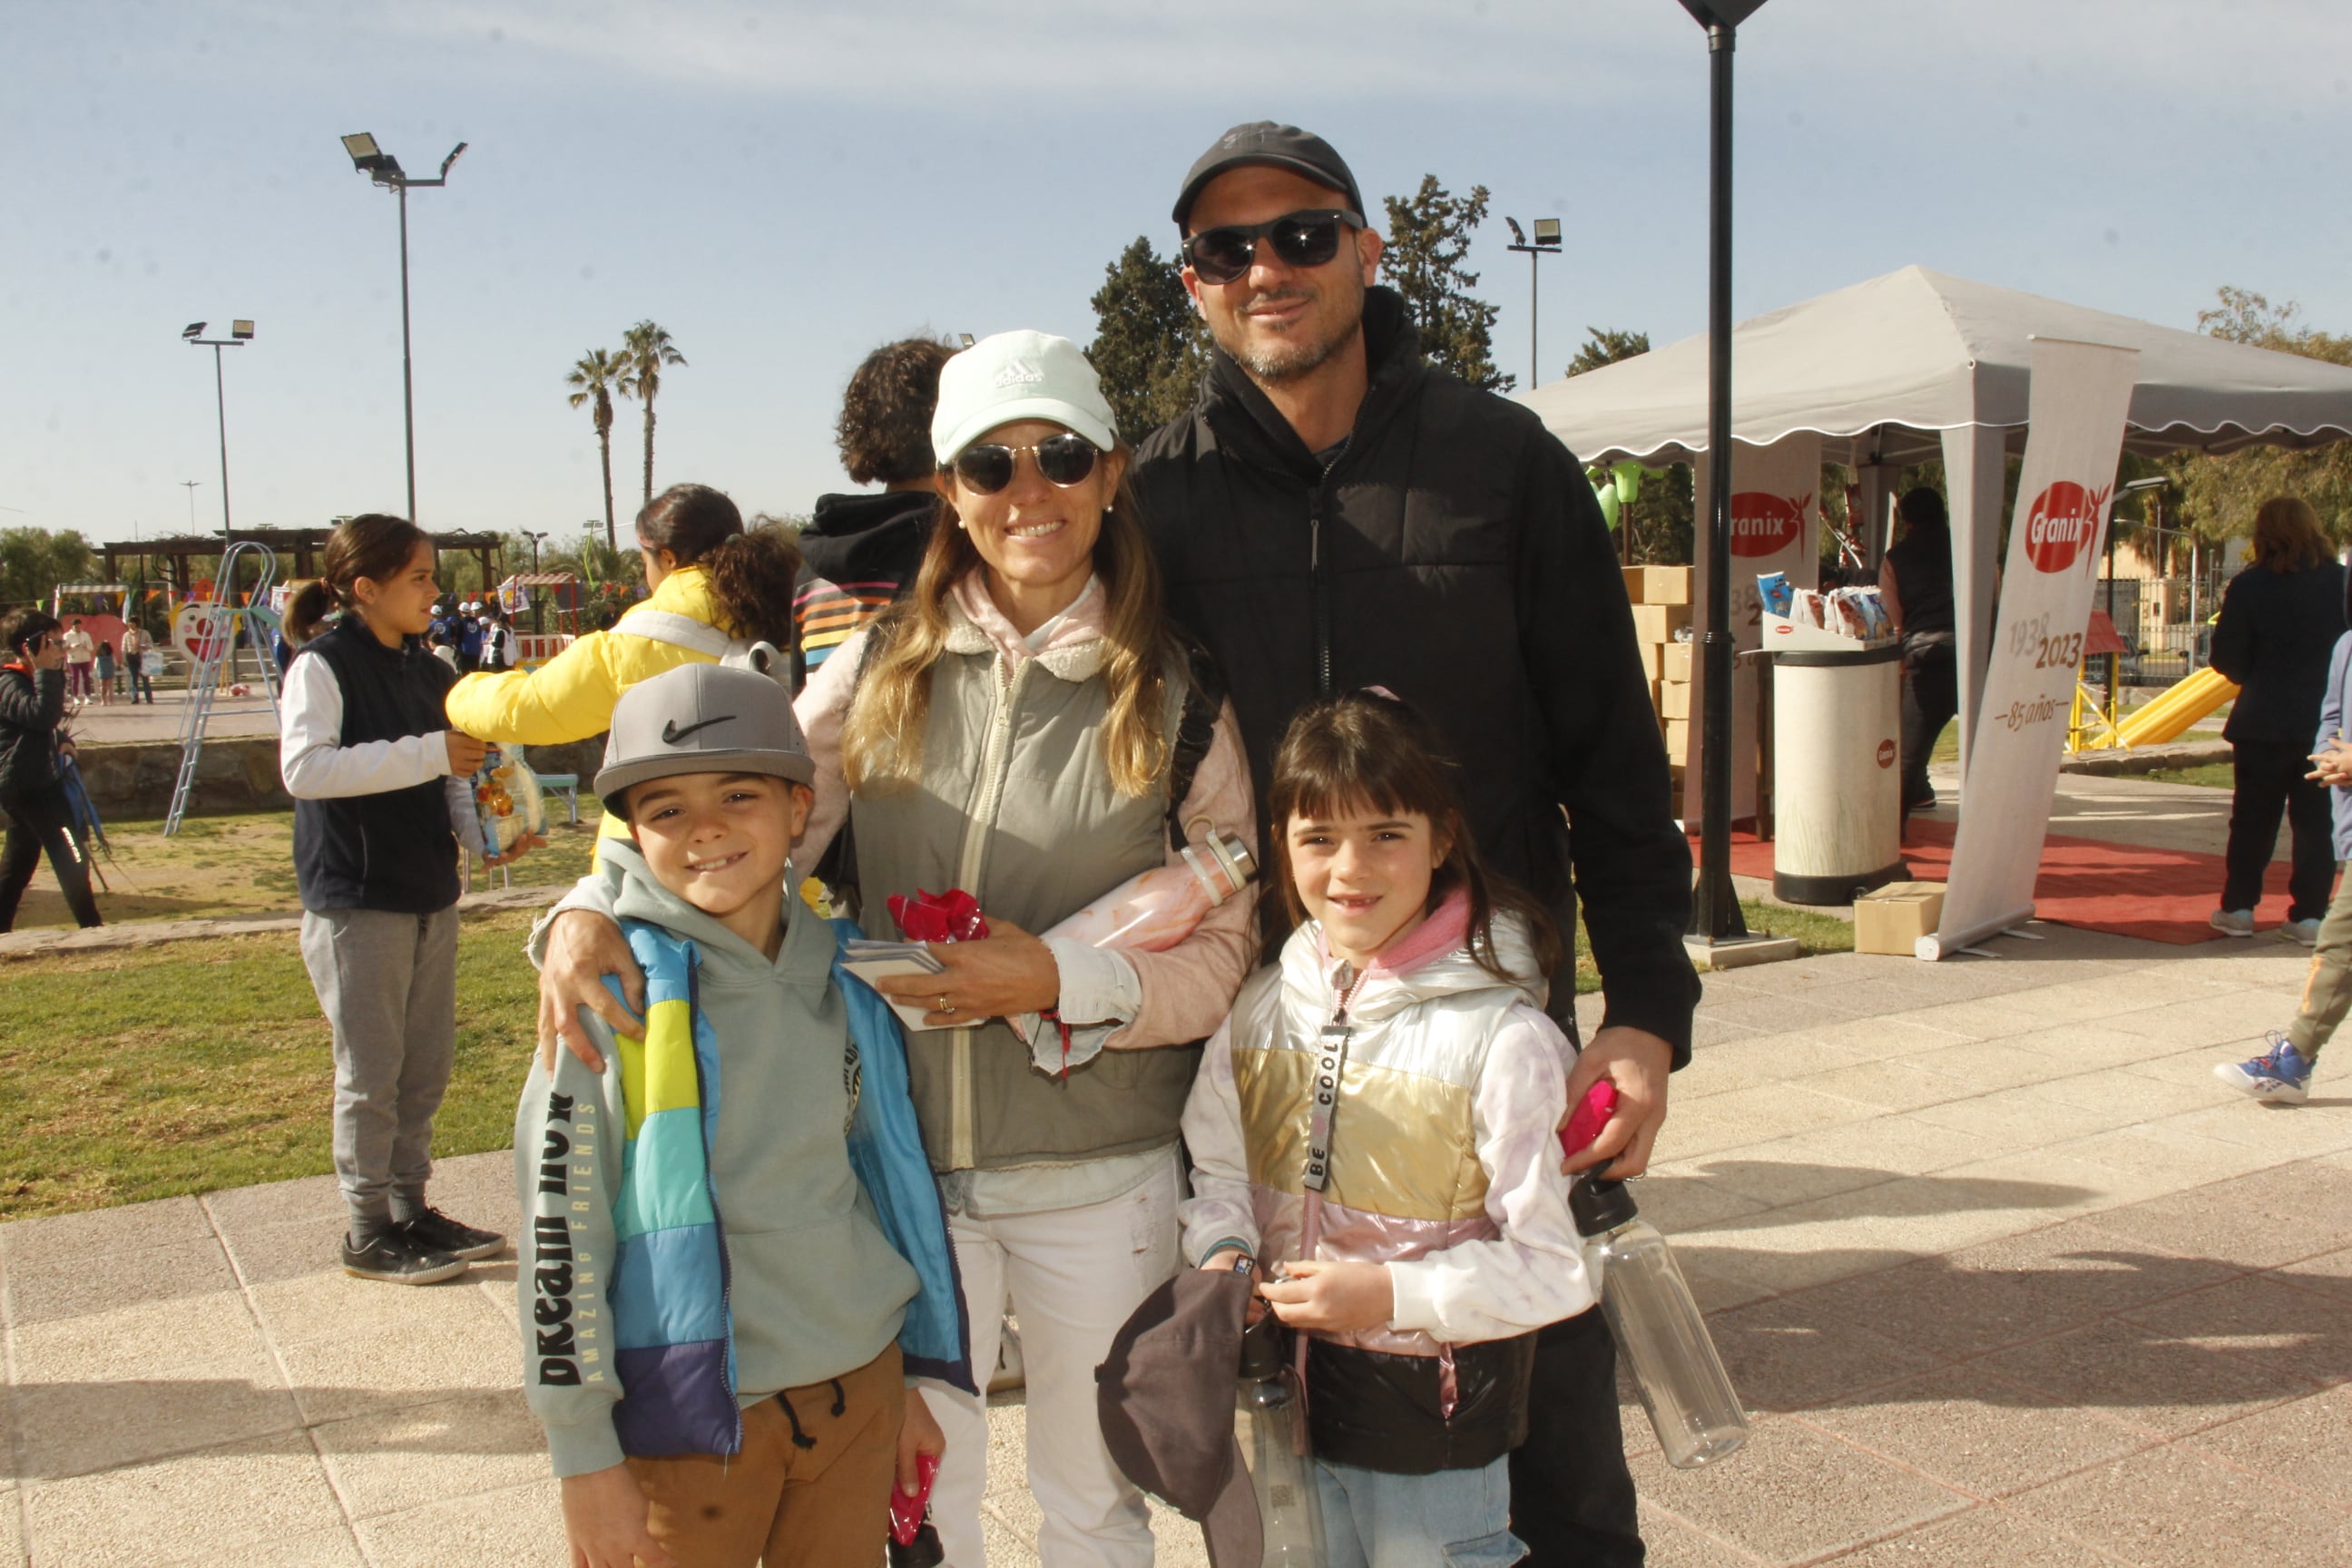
(2005, 1276)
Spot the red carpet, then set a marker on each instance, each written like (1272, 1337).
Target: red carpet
(2161, 895)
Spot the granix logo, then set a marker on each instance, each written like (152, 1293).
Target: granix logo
(1765, 524)
(2063, 520)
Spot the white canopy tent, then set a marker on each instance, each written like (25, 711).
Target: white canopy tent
(1920, 364)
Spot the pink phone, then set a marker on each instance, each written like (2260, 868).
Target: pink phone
(906, 1511)
(1593, 1114)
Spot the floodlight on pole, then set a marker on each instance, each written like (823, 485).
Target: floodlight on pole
(240, 334)
(383, 169)
(1547, 243)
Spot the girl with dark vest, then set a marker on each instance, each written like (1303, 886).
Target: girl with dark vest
(381, 795)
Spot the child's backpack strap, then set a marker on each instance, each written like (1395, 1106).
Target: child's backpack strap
(886, 1149)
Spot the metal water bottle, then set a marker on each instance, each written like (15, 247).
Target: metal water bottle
(1659, 1328)
(1270, 1420)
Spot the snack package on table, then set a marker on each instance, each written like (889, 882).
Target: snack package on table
(1776, 591)
(506, 801)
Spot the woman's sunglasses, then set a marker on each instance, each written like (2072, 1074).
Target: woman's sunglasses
(1066, 460)
(1300, 239)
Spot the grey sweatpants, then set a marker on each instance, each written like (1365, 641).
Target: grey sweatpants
(2327, 989)
(388, 984)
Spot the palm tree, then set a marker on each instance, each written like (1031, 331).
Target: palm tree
(599, 374)
(645, 349)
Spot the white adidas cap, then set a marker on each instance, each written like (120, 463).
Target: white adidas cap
(1018, 375)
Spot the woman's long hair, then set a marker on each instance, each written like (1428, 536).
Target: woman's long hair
(2288, 536)
(752, 574)
(882, 739)
(1370, 750)
(372, 545)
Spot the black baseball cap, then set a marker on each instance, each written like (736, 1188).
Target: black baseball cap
(1275, 146)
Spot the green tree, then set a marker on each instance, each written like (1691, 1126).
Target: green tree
(1606, 345)
(645, 348)
(2219, 495)
(1429, 236)
(594, 379)
(33, 561)
(1151, 345)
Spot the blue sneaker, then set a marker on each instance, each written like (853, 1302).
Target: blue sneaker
(2279, 1075)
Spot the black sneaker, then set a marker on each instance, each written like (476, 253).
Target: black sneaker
(398, 1258)
(437, 1231)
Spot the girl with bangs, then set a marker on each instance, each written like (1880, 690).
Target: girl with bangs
(1372, 1130)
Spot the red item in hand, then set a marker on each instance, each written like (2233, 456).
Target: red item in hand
(906, 1509)
(952, 916)
(1593, 1114)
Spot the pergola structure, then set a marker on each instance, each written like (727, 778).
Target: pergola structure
(306, 545)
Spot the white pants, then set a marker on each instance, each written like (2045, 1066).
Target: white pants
(1073, 1274)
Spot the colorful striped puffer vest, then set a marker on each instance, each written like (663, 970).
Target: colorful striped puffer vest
(674, 1339)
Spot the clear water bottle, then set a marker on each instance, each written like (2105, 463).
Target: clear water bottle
(1659, 1329)
(1270, 1420)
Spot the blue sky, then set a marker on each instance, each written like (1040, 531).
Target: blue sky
(785, 185)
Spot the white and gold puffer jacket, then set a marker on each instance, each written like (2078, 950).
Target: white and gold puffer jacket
(1443, 1165)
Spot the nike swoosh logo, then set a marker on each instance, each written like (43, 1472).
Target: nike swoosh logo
(672, 734)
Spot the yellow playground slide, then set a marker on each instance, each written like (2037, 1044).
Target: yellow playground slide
(2180, 706)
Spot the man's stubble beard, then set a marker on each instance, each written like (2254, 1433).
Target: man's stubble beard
(1291, 362)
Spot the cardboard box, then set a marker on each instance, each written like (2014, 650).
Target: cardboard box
(1673, 700)
(1658, 585)
(1678, 740)
(1650, 655)
(1658, 623)
(1674, 662)
(1897, 916)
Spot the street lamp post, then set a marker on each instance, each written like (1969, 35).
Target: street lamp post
(239, 334)
(1714, 905)
(1547, 243)
(384, 170)
(536, 622)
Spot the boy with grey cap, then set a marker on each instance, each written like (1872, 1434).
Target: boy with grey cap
(736, 1255)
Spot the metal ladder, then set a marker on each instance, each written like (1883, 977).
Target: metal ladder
(232, 621)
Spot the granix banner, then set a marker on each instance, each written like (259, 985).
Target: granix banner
(2081, 395)
(1775, 527)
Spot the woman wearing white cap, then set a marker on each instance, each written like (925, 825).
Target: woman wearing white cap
(1016, 726)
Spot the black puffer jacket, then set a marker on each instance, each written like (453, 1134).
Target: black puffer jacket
(31, 703)
(1453, 552)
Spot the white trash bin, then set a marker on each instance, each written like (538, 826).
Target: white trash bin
(1837, 761)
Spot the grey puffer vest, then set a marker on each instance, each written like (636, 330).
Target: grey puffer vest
(1015, 805)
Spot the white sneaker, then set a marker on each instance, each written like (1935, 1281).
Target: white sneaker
(2233, 922)
(2304, 932)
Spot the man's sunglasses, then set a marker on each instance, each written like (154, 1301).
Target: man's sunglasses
(1066, 460)
(1300, 239)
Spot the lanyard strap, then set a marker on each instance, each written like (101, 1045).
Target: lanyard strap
(1330, 1062)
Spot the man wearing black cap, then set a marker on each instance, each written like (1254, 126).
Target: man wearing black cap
(1335, 512)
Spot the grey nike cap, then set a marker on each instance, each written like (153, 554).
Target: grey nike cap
(702, 718)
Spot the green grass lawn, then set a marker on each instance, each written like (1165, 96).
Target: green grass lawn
(2213, 776)
(245, 865)
(193, 1066)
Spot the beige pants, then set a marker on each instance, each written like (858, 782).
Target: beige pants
(778, 1502)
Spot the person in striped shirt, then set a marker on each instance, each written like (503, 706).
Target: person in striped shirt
(859, 549)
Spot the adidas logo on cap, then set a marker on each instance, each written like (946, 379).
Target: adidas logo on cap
(1017, 372)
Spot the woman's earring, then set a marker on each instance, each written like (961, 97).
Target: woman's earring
(963, 524)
